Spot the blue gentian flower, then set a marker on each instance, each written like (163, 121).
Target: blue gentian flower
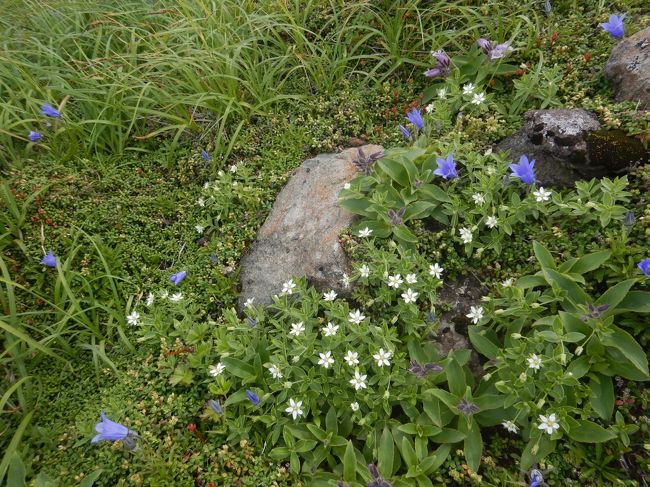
(50, 111)
(485, 45)
(204, 154)
(252, 397)
(524, 170)
(614, 26)
(34, 136)
(178, 277)
(49, 259)
(213, 258)
(415, 118)
(446, 167)
(644, 265)
(405, 132)
(215, 406)
(109, 430)
(493, 52)
(536, 478)
(442, 65)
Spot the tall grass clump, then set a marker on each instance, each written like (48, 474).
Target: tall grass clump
(128, 74)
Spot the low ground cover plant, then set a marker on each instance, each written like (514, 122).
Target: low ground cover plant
(141, 148)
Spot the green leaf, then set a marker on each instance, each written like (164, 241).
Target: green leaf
(331, 421)
(449, 435)
(16, 473)
(589, 262)
(394, 170)
(431, 408)
(386, 453)
(303, 446)
(403, 233)
(543, 256)
(356, 206)
(408, 453)
(623, 341)
(489, 401)
(473, 445)
(589, 432)
(238, 368)
(481, 343)
(379, 229)
(349, 463)
(543, 445)
(602, 396)
(435, 192)
(617, 293)
(280, 453)
(89, 480)
(455, 378)
(434, 462)
(450, 400)
(636, 301)
(418, 210)
(574, 292)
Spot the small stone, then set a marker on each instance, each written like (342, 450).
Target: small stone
(628, 69)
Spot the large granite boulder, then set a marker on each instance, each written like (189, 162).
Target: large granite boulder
(300, 235)
(628, 69)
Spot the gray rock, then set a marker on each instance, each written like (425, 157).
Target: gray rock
(300, 235)
(628, 69)
(557, 140)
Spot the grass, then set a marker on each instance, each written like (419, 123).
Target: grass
(259, 84)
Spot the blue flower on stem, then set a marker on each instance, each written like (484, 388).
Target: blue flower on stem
(50, 111)
(524, 170)
(111, 431)
(536, 478)
(215, 406)
(49, 259)
(252, 397)
(204, 154)
(34, 136)
(644, 265)
(614, 26)
(415, 118)
(405, 132)
(178, 277)
(446, 167)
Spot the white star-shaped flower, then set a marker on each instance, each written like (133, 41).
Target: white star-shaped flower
(364, 271)
(206, 185)
(466, 235)
(233, 168)
(200, 202)
(164, 294)
(352, 358)
(249, 302)
(326, 359)
(175, 298)
(508, 282)
(356, 317)
(395, 281)
(365, 232)
(382, 357)
(216, 370)
(442, 93)
(510, 426)
(491, 221)
(294, 409)
(330, 330)
(409, 296)
(297, 329)
(359, 381)
(436, 270)
(549, 423)
(478, 198)
(330, 296)
(542, 195)
(345, 280)
(534, 362)
(411, 278)
(468, 89)
(354, 406)
(288, 287)
(150, 299)
(133, 318)
(199, 228)
(475, 314)
(275, 371)
(478, 98)
(347, 186)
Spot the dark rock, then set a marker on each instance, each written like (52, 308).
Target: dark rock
(628, 69)
(300, 235)
(459, 296)
(568, 145)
